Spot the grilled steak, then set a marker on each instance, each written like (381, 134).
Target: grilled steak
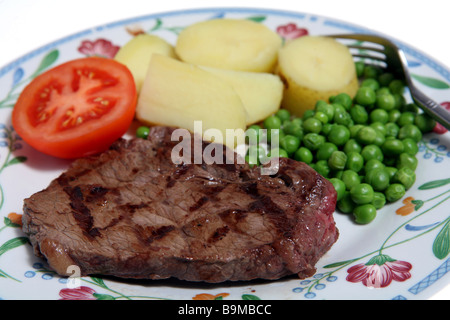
(131, 212)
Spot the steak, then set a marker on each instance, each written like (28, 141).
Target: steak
(131, 212)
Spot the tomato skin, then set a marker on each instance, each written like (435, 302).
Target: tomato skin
(76, 109)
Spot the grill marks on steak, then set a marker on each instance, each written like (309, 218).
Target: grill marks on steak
(131, 212)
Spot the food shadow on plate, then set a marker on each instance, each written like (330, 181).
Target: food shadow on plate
(183, 284)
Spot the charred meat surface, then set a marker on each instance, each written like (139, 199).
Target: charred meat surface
(132, 212)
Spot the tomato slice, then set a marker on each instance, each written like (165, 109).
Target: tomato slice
(76, 109)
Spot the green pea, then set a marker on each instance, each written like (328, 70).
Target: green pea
(253, 134)
(346, 204)
(343, 99)
(406, 177)
(339, 186)
(350, 178)
(338, 108)
(397, 86)
(385, 78)
(275, 135)
(365, 96)
(297, 121)
(366, 135)
(394, 192)
(328, 109)
(372, 151)
(410, 131)
(378, 179)
(359, 66)
(371, 71)
(383, 90)
(410, 146)
(313, 141)
(391, 171)
(337, 160)
(362, 193)
(303, 154)
(256, 154)
(379, 115)
(370, 82)
(411, 107)
(272, 122)
(354, 130)
(365, 214)
(359, 114)
(399, 100)
(379, 138)
(342, 117)
(379, 200)
(352, 146)
(321, 116)
(293, 129)
(338, 174)
(394, 115)
(392, 147)
(424, 123)
(326, 128)
(308, 114)
(386, 101)
(283, 114)
(313, 125)
(407, 160)
(290, 143)
(142, 132)
(322, 168)
(392, 129)
(339, 135)
(324, 152)
(319, 103)
(277, 152)
(355, 161)
(406, 118)
(379, 126)
(373, 164)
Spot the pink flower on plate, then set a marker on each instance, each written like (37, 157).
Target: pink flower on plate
(439, 128)
(79, 293)
(379, 272)
(291, 31)
(100, 48)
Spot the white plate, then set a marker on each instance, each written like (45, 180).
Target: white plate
(417, 243)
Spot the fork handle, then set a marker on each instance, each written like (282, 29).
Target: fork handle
(431, 107)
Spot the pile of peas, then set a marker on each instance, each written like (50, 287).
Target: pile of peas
(365, 146)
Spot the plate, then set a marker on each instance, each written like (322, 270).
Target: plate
(408, 240)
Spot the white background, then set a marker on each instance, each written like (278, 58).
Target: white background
(28, 24)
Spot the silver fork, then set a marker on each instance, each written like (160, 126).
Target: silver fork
(394, 59)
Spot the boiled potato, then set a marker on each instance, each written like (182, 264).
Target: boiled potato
(261, 93)
(229, 44)
(136, 53)
(315, 68)
(175, 93)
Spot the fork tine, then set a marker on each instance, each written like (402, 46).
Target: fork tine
(395, 60)
(370, 57)
(366, 38)
(365, 48)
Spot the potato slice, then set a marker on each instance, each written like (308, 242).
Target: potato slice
(136, 54)
(229, 44)
(176, 93)
(315, 68)
(261, 93)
